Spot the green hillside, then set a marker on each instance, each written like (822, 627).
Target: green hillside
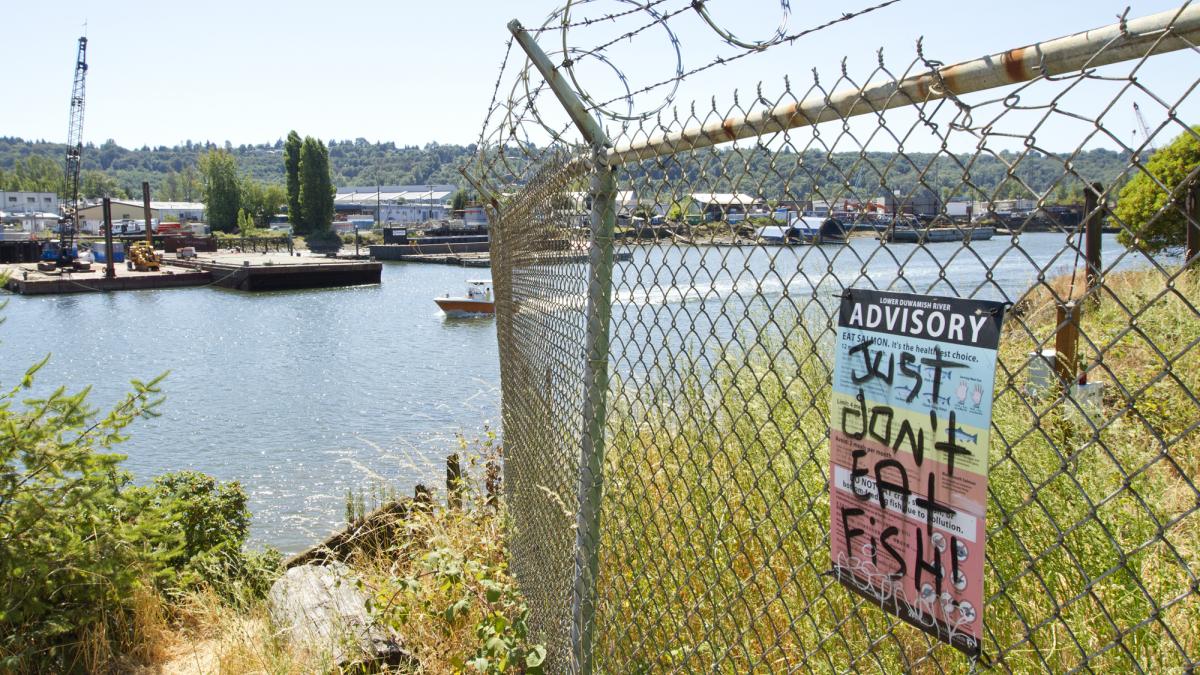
(171, 171)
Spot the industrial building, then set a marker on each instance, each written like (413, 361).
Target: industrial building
(920, 201)
(13, 203)
(179, 211)
(721, 206)
(32, 211)
(400, 204)
(92, 216)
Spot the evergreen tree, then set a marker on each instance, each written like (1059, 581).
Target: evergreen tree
(291, 164)
(222, 190)
(316, 187)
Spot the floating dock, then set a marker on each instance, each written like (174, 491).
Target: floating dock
(27, 280)
(406, 251)
(241, 271)
(460, 259)
(934, 235)
(278, 271)
(485, 260)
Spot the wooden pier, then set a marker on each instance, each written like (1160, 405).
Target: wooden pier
(485, 260)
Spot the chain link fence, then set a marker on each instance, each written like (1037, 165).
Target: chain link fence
(667, 297)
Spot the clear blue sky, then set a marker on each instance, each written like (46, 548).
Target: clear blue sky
(415, 72)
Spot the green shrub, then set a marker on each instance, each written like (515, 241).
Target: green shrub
(212, 521)
(74, 544)
(326, 241)
(364, 238)
(79, 543)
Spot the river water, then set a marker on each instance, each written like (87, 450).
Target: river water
(301, 395)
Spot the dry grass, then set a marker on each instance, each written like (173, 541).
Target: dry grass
(210, 634)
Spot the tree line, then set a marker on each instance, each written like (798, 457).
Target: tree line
(237, 201)
(270, 169)
(173, 172)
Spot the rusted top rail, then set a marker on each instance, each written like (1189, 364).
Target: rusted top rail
(1167, 31)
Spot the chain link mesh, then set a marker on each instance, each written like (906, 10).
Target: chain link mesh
(540, 276)
(714, 549)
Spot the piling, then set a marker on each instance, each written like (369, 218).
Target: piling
(146, 213)
(422, 497)
(109, 271)
(454, 482)
(492, 483)
(1093, 217)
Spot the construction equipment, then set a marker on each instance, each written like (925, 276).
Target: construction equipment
(69, 225)
(141, 257)
(1144, 127)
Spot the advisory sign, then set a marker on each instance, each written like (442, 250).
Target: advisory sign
(910, 413)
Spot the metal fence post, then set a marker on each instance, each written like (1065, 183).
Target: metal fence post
(603, 193)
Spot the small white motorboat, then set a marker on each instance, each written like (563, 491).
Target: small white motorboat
(478, 301)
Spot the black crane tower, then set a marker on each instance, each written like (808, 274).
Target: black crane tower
(70, 224)
(1144, 127)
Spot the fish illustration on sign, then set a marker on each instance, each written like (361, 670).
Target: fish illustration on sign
(961, 435)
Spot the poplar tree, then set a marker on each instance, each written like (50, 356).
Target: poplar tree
(291, 164)
(316, 187)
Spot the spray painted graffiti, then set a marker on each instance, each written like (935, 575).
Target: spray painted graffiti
(910, 418)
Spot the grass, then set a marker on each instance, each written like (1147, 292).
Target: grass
(715, 526)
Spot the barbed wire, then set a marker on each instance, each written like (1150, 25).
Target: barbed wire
(601, 19)
(514, 122)
(721, 61)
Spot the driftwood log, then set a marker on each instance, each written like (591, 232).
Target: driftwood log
(375, 531)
